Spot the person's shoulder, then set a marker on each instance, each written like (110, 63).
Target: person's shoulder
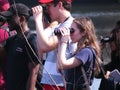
(2, 31)
(86, 50)
(67, 22)
(70, 19)
(11, 38)
(31, 34)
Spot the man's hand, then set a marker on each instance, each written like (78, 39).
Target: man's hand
(37, 12)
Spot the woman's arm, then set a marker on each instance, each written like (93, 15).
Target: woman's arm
(64, 63)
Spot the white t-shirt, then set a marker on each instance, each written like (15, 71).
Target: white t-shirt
(51, 75)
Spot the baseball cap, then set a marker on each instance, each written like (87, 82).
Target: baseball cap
(48, 1)
(17, 8)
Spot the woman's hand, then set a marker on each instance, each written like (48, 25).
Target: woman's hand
(107, 74)
(65, 32)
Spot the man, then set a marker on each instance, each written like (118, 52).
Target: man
(59, 10)
(22, 63)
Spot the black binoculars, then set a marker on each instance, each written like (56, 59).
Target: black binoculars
(57, 31)
(106, 39)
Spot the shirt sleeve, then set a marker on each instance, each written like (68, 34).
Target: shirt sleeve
(3, 35)
(32, 54)
(84, 55)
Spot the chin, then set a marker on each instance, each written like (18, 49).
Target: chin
(73, 41)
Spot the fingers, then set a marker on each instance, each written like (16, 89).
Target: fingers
(37, 9)
(64, 31)
(107, 74)
(37, 13)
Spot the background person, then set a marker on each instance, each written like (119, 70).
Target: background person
(22, 64)
(4, 5)
(114, 42)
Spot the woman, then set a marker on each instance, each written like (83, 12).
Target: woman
(114, 42)
(85, 54)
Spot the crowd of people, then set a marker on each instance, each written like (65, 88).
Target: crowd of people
(63, 54)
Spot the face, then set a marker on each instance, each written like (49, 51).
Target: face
(13, 23)
(53, 11)
(77, 35)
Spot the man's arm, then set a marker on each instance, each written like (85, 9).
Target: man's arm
(45, 43)
(2, 53)
(34, 63)
(32, 79)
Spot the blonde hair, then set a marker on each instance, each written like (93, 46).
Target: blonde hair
(86, 25)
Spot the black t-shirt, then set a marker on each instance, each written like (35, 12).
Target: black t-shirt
(18, 59)
(74, 77)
